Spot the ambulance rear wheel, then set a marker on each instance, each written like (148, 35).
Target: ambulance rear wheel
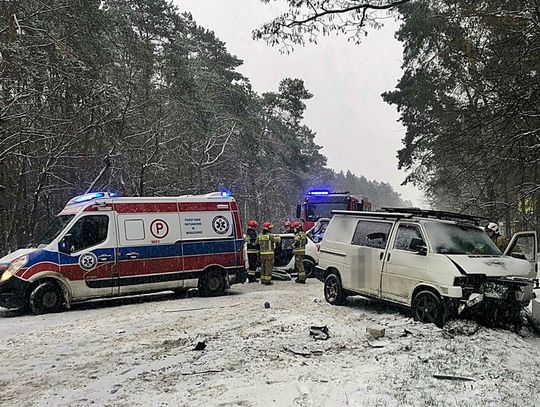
(45, 298)
(212, 283)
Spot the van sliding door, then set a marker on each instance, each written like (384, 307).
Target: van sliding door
(368, 248)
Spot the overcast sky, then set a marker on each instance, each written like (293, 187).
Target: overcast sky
(355, 127)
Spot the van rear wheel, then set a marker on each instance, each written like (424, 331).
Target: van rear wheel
(428, 308)
(333, 290)
(45, 298)
(212, 283)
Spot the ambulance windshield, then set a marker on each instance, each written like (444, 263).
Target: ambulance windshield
(54, 229)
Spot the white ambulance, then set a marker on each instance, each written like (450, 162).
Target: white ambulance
(102, 245)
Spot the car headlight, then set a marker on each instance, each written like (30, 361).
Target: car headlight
(13, 267)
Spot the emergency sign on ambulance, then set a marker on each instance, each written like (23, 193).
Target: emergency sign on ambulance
(102, 245)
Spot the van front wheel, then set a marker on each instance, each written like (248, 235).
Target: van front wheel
(428, 308)
(212, 283)
(47, 297)
(333, 290)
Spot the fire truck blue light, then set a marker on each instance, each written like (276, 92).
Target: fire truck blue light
(318, 192)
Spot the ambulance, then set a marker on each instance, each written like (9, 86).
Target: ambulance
(101, 245)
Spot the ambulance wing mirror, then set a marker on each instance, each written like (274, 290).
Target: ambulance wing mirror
(298, 211)
(65, 246)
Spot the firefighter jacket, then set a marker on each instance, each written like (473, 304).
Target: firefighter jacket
(251, 241)
(267, 242)
(300, 242)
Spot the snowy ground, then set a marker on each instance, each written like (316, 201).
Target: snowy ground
(140, 354)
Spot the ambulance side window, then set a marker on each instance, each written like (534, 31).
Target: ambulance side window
(87, 232)
(134, 229)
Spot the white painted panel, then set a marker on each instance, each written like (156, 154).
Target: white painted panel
(206, 225)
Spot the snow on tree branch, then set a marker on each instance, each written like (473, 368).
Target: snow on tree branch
(306, 20)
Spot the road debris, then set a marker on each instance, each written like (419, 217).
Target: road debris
(376, 331)
(200, 346)
(452, 377)
(266, 305)
(319, 333)
(305, 354)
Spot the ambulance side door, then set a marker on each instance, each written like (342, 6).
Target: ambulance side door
(87, 255)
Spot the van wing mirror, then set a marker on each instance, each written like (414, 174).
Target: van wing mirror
(418, 246)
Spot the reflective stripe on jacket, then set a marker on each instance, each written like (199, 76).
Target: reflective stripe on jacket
(266, 243)
(251, 241)
(300, 242)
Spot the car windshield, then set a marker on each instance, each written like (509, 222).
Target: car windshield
(55, 227)
(448, 238)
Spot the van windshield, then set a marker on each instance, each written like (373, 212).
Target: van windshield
(448, 238)
(55, 227)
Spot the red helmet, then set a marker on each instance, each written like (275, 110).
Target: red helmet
(288, 223)
(267, 225)
(252, 224)
(296, 224)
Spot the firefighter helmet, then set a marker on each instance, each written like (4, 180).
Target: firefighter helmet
(267, 226)
(297, 224)
(252, 224)
(493, 227)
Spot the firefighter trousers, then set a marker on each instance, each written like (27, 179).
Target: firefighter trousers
(299, 266)
(267, 264)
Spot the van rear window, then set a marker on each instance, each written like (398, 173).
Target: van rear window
(371, 234)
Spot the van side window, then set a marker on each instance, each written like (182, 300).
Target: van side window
(408, 238)
(134, 229)
(371, 234)
(87, 232)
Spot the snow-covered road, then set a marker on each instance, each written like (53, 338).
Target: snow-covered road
(141, 354)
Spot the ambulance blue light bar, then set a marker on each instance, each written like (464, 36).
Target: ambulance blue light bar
(90, 197)
(318, 192)
(226, 193)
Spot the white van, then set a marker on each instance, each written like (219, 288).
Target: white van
(437, 263)
(102, 245)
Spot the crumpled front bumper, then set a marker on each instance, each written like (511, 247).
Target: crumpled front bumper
(501, 291)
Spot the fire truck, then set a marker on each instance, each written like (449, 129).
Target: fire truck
(320, 204)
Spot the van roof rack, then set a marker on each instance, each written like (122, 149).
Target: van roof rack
(428, 213)
(379, 214)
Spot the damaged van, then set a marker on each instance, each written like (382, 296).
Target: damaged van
(437, 263)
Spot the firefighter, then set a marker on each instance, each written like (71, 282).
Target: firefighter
(299, 250)
(494, 233)
(252, 250)
(288, 227)
(267, 241)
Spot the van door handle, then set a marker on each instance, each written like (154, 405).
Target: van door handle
(381, 254)
(388, 257)
(132, 255)
(104, 257)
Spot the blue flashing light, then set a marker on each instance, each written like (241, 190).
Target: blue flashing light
(226, 193)
(90, 197)
(318, 192)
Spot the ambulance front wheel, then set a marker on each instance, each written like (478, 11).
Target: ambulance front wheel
(212, 283)
(45, 298)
